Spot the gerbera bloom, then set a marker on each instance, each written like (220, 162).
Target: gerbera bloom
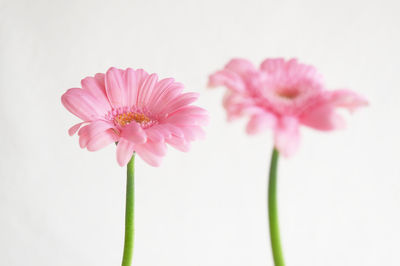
(136, 110)
(282, 95)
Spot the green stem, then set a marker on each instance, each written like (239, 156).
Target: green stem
(273, 211)
(129, 214)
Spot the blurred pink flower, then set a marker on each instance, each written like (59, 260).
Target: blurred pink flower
(136, 110)
(281, 95)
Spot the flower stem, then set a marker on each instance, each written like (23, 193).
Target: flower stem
(129, 213)
(273, 211)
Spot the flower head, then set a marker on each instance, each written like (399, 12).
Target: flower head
(282, 95)
(138, 111)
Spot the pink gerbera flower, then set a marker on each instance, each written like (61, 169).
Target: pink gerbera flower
(136, 110)
(282, 95)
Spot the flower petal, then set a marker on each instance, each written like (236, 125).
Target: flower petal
(95, 85)
(179, 102)
(346, 99)
(132, 85)
(227, 78)
(147, 155)
(192, 133)
(179, 143)
(125, 150)
(261, 122)
(90, 131)
(272, 64)
(75, 128)
(115, 87)
(101, 140)
(168, 92)
(240, 66)
(134, 133)
(323, 117)
(287, 136)
(162, 87)
(153, 134)
(82, 104)
(146, 91)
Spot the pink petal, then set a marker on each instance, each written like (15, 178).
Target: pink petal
(154, 134)
(124, 151)
(287, 136)
(158, 148)
(169, 129)
(75, 128)
(261, 122)
(115, 87)
(192, 133)
(189, 115)
(148, 156)
(90, 131)
(227, 78)
(179, 143)
(236, 105)
(134, 133)
(323, 117)
(184, 119)
(132, 85)
(346, 99)
(141, 76)
(161, 88)
(240, 66)
(180, 101)
(146, 91)
(82, 104)
(165, 97)
(272, 64)
(95, 85)
(101, 140)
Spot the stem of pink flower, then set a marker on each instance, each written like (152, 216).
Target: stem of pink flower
(273, 211)
(129, 214)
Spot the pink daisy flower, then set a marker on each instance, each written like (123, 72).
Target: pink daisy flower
(136, 110)
(282, 95)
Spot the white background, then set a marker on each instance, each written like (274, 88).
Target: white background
(339, 195)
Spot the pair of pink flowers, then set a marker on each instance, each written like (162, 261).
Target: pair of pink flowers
(143, 114)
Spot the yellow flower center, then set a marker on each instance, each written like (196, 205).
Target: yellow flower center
(125, 118)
